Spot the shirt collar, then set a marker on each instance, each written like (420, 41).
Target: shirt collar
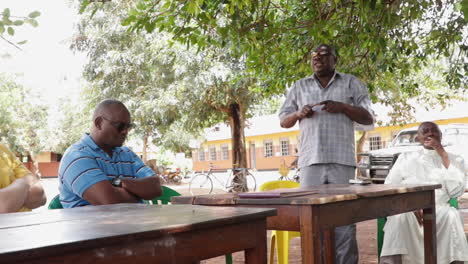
(89, 141)
(335, 74)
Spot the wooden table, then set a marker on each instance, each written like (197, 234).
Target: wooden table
(337, 205)
(133, 233)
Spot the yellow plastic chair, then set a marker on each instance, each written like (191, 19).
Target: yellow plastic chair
(280, 239)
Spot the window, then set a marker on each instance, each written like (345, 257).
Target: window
(375, 142)
(268, 148)
(224, 152)
(201, 154)
(284, 144)
(212, 152)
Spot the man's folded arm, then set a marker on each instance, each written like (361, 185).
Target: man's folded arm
(36, 196)
(14, 195)
(146, 188)
(104, 192)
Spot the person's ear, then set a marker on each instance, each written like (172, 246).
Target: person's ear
(98, 122)
(417, 138)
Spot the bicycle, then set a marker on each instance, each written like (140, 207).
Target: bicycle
(234, 183)
(296, 174)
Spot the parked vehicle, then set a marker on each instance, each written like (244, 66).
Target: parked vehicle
(376, 164)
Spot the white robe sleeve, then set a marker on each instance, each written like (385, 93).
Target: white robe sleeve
(396, 174)
(453, 178)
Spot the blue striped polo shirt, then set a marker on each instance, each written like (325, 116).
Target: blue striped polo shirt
(85, 164)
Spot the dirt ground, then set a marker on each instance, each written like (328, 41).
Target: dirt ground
(366, 235)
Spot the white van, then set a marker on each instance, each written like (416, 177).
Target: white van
(377, 163)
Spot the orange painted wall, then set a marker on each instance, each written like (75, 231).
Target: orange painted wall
(49, 169)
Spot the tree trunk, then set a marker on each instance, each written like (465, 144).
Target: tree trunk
(237, 124)
(239, 153)
(145, 147)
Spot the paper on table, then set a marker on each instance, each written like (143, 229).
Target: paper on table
(317, 108)
(278, 193)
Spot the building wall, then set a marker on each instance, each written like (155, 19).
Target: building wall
(254, 145)
(386, 135)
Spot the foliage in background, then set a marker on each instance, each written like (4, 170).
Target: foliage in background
(72, 120)
(23, 122)
(377, 40)
(172, 92)
(9, 22)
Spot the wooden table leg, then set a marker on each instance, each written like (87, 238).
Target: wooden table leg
(258, 254)
(329, 239)
(310, 236)
(430, 232)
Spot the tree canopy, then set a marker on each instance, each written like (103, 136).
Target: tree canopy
(172, 91)
(23, 122)
(376, 40)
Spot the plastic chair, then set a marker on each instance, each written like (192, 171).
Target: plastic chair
(55, 203)
(381, 223)
(280, 239)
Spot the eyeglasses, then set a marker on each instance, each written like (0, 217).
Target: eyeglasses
(321, 53)
(120, 126)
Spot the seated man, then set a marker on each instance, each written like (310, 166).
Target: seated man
(20, 190)
(98, 170)
(403, 241)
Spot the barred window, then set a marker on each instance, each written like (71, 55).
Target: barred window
(212, 152)
(268, 148)
(375, 142)
(284, 144)
(201, 154)
(224, 152)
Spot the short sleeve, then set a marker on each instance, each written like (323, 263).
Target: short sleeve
(361, 95)
(290, 104)
(141, 170)
(81, 171)
(16, 165)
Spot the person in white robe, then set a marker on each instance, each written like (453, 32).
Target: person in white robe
(403, 239)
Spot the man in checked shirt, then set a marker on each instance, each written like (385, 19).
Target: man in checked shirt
(327, 104)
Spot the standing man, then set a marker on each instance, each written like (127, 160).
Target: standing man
(99, 170)
(326, 105)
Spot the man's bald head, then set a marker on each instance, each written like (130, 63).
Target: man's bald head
(111, 124)
(106, 107)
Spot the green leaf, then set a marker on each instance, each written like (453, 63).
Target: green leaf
(18, 23)
(83, 6)
(464, 9)
(34, 14)
(22, 42)
(7, 21)
(141, 5)
(149, 26)
(33, 22)
(2, 29)
(11, 31)
(6, 13)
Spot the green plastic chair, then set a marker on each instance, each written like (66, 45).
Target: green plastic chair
(280, 239)
(55, 203)
(166, 195)
(381, 223)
